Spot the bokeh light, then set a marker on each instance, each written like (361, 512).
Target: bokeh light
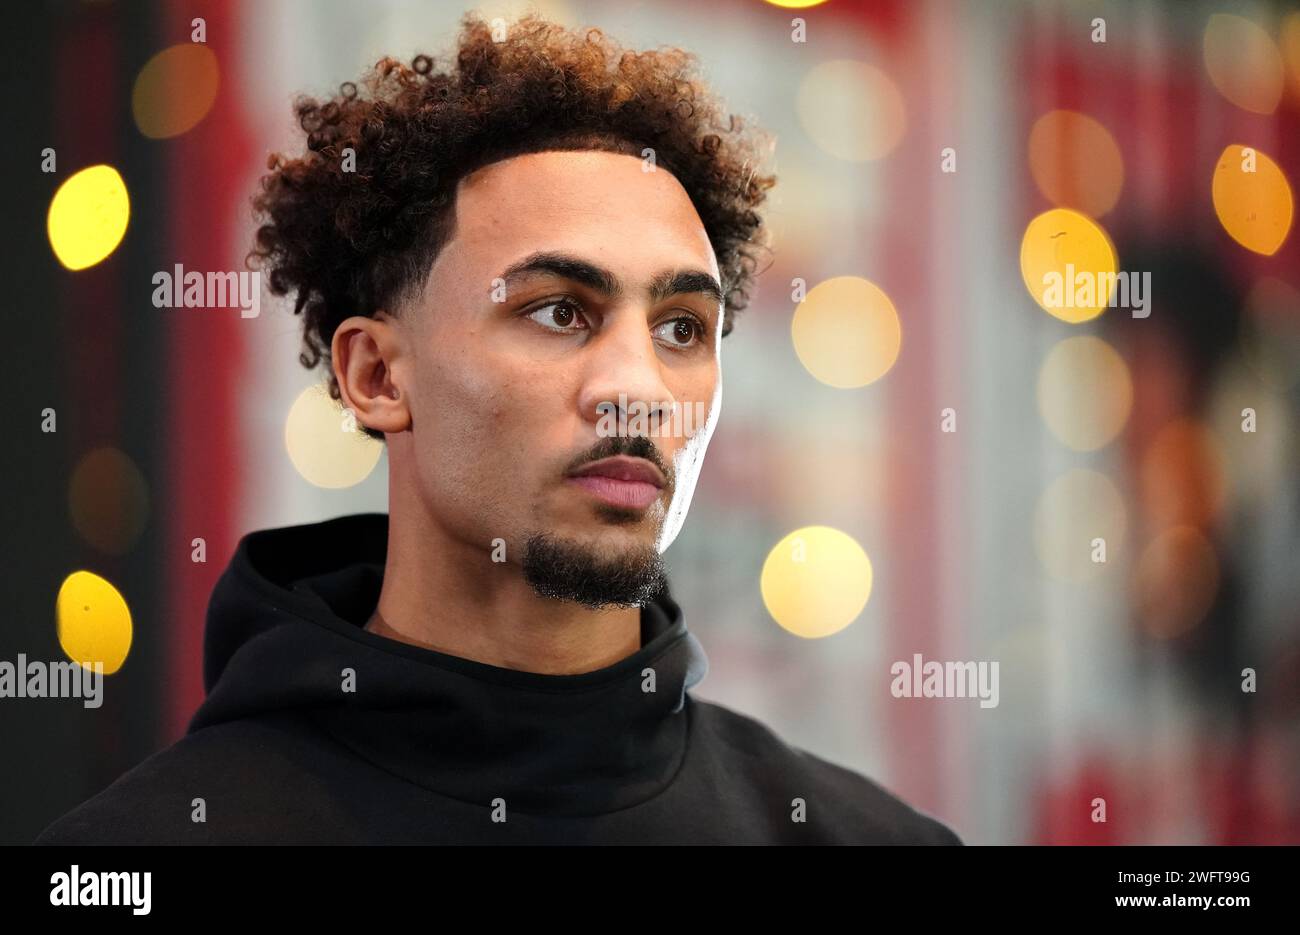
(1182, 475)
(326, 447)
(1075, 162)
(175, 90)
(851, 110)
(1270, 333)
(93, 620)
(1255, 470)
(816, 581)
(1079, 507)
(88, 216)
(1243, 62)
(1252, 199)
(1085, 392)
(1069, 246)
(1291, 49)
(108, 500)
(1176, 581)
(846, 332)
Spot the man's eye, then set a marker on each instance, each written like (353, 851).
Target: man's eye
(682, 332)
(559, 315)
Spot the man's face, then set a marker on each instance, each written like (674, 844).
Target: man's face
(574, 282)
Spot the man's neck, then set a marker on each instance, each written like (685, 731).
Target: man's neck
(440, 594)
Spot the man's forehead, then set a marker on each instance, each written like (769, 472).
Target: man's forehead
(571, 199)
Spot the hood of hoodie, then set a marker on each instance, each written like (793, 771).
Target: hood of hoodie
(285, 634)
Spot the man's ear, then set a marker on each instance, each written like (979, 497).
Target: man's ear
(364, 353)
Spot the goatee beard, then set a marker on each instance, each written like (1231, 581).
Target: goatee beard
(565, 570)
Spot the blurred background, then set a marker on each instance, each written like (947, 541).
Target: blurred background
(1102, 501)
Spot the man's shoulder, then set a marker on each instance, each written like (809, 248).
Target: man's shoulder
(862, 809)
(222, 783)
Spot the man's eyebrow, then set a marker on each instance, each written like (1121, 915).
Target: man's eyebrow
(595, 277)
(685, 282)
(565, 267)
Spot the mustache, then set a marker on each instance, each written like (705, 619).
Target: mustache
(635, 446)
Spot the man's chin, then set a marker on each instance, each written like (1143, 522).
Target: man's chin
(593, 573)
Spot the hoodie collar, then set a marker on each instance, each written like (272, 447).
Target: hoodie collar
(285, 633)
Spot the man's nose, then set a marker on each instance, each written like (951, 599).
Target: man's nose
(623, 371)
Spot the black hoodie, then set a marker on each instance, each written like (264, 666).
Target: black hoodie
(315, 730)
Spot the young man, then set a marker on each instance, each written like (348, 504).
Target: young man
(504, 261)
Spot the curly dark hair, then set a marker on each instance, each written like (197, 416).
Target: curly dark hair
(355, 242)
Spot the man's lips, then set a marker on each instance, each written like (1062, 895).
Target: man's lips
(633, 483)
(634, 494)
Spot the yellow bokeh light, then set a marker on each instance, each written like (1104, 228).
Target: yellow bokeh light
(796, 4)
(94, 623)
(1068, 264)
(175, 90)
(846, 332)
(1075, 162)
(1243, 62)
(816, 581)
(851, 110)
(1252, 199)
(1085, 392)
(1078, 509)
(326, 444)
(88, 216)
(108, 500)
